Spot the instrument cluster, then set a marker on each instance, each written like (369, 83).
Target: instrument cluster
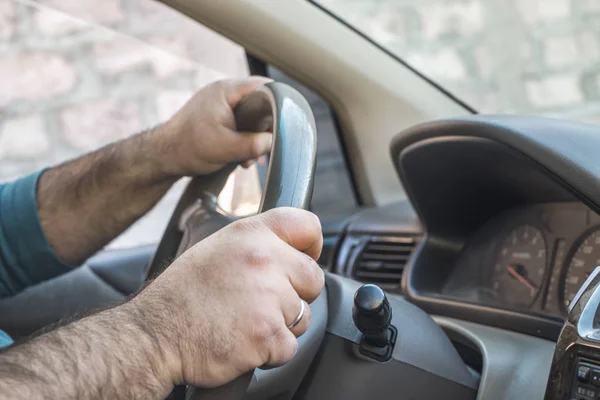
(533, 259)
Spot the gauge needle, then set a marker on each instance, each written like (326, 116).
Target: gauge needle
(520, 278)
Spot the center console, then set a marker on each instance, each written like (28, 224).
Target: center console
(380, 347)
(575, 370)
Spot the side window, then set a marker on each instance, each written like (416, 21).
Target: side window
(334, 195)
(77, 74)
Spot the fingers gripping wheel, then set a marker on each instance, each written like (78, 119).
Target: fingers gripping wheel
(289, 181)
(290, 175)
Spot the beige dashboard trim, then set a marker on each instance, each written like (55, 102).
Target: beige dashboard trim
(374, 95)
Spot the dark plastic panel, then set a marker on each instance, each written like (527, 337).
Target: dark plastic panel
(338, 374)
(123, 269)
(461, 173)
(330, 247)
(73, 293)
(568, 151)
(421, 342)
(424, 364)
(457, 183)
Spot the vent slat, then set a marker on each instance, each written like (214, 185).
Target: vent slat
(378, 277)
(384, 257)
(382, 260)
(382, 275)
(377, 265)
(395, 248)
(394, 240)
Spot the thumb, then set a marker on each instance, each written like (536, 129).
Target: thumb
(299, 228)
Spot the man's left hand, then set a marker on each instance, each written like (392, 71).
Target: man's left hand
(85, 203)
(202, 136)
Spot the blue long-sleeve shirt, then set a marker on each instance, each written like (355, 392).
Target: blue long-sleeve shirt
(26, 257)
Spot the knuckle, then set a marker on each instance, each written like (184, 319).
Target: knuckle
(313, 277)
(277, 344)
(263, 329)
(288, 345)
(256, 258)
(319, 282)
(284, 348)
(316, 232)
(305, 270)
(320, 276)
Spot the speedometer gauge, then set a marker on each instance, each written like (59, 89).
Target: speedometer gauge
(520, 266)
(584, 260)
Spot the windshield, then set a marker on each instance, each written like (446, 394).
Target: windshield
(498, 56)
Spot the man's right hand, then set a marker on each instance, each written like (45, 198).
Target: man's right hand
(224, 306)
(221, 309)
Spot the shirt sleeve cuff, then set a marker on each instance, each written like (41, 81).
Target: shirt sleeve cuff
(29, 257)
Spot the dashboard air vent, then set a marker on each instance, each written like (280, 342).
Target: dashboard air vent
(382, 259)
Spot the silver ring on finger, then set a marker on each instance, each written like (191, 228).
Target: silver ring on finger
(300, 315)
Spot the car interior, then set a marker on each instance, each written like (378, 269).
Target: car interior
(476, 236)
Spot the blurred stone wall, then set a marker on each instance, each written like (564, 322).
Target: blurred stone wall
(100, 71)
(77, 74)
(508, 56)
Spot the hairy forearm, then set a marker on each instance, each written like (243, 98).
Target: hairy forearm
(85, 203)
(110, 355)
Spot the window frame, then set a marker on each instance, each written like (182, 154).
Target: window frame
(258, 67)
(433, 83)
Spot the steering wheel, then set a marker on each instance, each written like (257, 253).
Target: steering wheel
(289, 183)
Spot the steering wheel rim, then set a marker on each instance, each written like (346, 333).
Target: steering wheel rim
(289, 181)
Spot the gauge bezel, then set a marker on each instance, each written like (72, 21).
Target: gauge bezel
(565, 268)
(496, 249)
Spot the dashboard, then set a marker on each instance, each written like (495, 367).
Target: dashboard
(529, 259)
(500, 229)
(500, 226)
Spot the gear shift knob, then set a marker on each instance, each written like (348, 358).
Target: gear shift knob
(372, 314)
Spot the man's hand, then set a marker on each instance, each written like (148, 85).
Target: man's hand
(85, 203)
(221, 309)
(202, 138)
(224, 306)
